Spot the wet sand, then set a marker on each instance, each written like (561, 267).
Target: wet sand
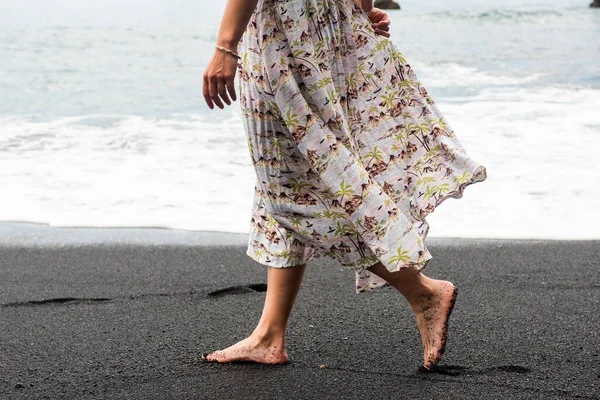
(125, 313)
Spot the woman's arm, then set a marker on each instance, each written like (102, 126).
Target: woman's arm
(235, 19)
(219, 75)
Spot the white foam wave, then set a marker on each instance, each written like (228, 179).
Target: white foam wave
(540, 148)
(445, 75)
(187, 172)
(194, 172)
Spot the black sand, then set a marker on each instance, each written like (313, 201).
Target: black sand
(124, 314)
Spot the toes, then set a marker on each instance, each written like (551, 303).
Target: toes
(210, 357)
(218, 356)
(431, 361)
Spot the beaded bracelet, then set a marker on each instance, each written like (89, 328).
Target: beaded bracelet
(236, 55)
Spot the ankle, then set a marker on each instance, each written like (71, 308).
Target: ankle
(269, 334)
(422, 288)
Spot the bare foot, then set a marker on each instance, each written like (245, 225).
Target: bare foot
(432, 311)
(251, 349)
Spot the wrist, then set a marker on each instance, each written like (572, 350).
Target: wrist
(229, 51)
(228, 43)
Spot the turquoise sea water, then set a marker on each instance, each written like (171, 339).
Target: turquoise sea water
(102, 121)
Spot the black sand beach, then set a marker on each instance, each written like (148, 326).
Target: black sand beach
(125, 313)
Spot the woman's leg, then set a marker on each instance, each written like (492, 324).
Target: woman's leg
(431, 300)
(267, 343)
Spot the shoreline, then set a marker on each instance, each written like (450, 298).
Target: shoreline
(22, 233)
(38, 234)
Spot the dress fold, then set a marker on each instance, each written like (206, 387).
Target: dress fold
(351, 152)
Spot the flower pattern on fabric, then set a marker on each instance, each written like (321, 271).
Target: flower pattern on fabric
(350, 151)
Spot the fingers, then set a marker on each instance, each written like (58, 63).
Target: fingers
(382, 26)
(230, 88)
(382, 32)
(218, 90)
(222, 91)
(214, 92)
(205, 92)
(218, 85)
(381, 29)
(225, 89)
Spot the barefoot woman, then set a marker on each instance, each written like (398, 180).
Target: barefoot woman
(350, 151)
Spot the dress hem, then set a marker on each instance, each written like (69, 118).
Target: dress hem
(479, 175)
(260, 260)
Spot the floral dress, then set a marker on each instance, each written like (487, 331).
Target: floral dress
(350, 152)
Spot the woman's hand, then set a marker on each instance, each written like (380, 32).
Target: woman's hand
(218, 79)
(380, 21)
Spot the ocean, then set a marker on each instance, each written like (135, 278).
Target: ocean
(103, 123)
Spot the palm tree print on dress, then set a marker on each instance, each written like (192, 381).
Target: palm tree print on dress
(350, 151)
